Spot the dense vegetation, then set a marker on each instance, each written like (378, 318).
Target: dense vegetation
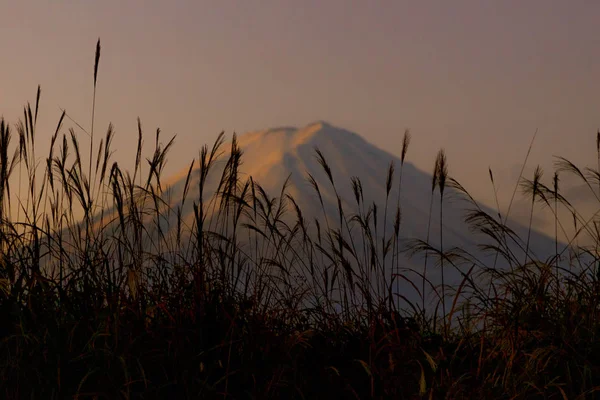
(100, 299)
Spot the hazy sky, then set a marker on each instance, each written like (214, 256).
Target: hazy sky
(476, 77)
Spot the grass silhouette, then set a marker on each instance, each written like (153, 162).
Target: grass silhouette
(103, 296)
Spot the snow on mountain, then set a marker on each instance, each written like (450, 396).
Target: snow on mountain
(271, 156)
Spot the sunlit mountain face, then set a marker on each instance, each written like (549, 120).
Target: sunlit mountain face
(289, 185)
(287, 155)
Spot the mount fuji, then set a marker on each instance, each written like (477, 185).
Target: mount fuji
(287, 155)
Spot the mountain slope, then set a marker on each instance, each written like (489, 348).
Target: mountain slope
(272, 156)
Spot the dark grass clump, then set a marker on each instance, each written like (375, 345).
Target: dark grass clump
(108, 290)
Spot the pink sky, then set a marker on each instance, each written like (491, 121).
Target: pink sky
(476, 77)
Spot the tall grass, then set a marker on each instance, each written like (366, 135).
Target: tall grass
(109, 289)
